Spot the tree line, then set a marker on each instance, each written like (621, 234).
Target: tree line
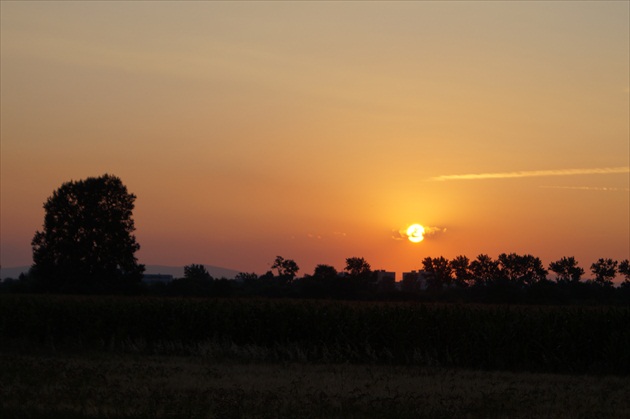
(510, 278)
(87, 246)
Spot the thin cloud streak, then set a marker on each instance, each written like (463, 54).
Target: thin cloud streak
(587, 188)
(533, 173)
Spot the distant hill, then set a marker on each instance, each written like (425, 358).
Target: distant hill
(13, 272)
(176, 271)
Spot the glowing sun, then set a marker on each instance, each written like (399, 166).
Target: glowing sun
(415, 233)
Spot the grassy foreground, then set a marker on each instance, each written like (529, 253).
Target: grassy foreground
(125, 386)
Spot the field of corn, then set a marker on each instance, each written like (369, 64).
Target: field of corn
(550, 339)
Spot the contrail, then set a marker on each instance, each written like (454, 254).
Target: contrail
(534, 173)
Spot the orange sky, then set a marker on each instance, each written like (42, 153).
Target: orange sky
(316, 131)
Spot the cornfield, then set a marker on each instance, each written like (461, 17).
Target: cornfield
(487, 337)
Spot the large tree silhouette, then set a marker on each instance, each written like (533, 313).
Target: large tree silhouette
(87, 244)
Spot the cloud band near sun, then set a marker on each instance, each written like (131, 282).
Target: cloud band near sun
(429, 231)
(534, 173)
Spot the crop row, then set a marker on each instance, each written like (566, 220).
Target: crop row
(526, 338)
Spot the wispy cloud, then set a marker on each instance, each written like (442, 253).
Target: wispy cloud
(534, 173)
(587, 188)
(432, 231)
(326, 236)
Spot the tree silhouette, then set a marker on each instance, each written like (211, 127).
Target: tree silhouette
(484, 270)
(197, 281)
(521, 269)
(323, 283)
(566, 270)
(460, 267)
(325, 273)
(246, 276)
(360, 279)
(604, 271)
(196, 272)
(624, 269)
(356, 267)
(287, 268)
(87, 244)
(438, 272)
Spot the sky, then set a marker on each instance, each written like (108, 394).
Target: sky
(320, 131)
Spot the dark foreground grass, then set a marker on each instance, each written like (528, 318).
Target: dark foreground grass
(135, 386)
